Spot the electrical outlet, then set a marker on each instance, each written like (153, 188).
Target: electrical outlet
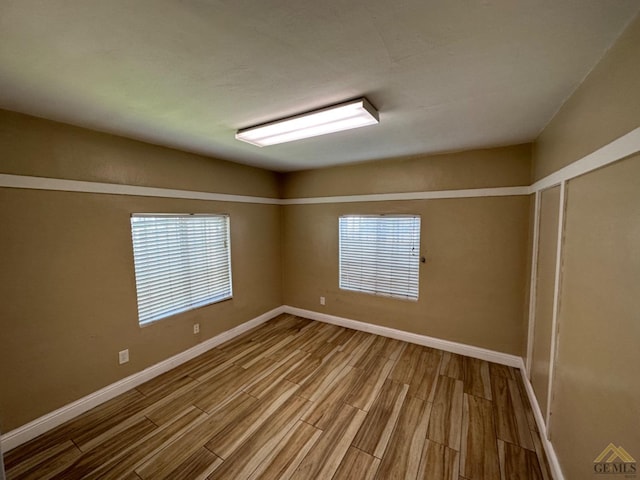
(123, 356)
(322, 301)
(196, 328)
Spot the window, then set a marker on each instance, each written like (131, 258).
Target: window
(181, 262)
(380, 254)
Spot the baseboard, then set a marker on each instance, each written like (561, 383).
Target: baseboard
(446, 345)
(51, 420)
(554, 464)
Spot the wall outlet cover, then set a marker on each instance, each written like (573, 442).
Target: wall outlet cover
(123, 356)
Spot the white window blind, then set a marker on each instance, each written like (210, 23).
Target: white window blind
(181, 262)
(380, 254)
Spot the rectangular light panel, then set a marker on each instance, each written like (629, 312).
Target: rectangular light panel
(344, 116)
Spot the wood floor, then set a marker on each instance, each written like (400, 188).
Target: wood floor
(297, 399)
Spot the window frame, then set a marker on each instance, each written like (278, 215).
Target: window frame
(407, 295)
(174, 310)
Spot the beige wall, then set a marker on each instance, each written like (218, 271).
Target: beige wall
(496, 167)
(474, 284)
(603, 108)
(545, 288)
(471, 286)
(67, 279)
(42, 148)
(596, 389)
(595, 398)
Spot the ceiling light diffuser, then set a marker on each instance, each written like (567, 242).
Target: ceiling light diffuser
(344, 116)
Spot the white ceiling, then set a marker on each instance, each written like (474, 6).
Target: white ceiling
(445, 75)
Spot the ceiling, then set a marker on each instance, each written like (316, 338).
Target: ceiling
(445, 75)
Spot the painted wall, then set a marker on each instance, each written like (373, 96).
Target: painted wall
(595, 387)
(472, 286)
(603, 108)
(494, 167)
(67, 278)
(596, 399)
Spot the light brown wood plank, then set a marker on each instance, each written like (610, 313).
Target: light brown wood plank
(542, 458)
(407, 364)
(375, 433)
(93, 422)
(510, 419)
(197, 466)
(502, 371)
(423, 382)
(91, 442)
(506, 427)
(215, 360)
(477, 379)
(285, 366)
(46, 465)
(234, 433)
(326, 407)
(517, 463)
(325, 456)
(439, 462)
(357, 465)
(342, 337)
(321, 379)
(285, 458)
(95, 457)
(357, 347)
(147, 446)
(216, 390)
(479, 453)
(131, 476)
(165, 459)
(402, 457)
(451, 366)
(369, 384)
(528, 411)
(314, 363)
(272, 352)
(446, 415)
(251, 454)
(388, 347)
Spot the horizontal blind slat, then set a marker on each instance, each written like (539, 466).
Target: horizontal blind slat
(181, 262)
(380, 254)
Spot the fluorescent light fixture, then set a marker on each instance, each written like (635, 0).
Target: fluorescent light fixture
(344, 116)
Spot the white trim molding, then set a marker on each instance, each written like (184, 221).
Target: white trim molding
(430, 195)
(58, 184)
(556, 297)
(51, 420)
(622, 147)
(533, 287)
(446, 345)
(552, 458)
(63, 185)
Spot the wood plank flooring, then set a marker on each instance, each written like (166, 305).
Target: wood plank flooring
(297, 399)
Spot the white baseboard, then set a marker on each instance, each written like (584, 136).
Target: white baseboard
(554, 464)
(51, 420)
(446, 345)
